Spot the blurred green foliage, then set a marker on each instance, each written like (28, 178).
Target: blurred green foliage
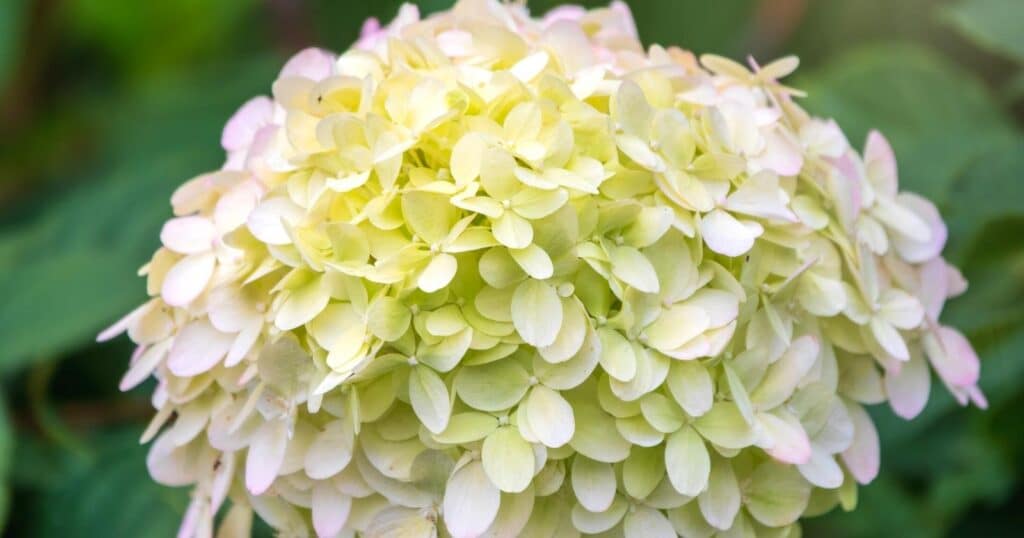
(109, 104)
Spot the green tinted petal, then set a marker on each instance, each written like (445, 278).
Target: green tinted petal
(512, 230)
(571, 335)
(646, 522)
(536, 312)
(776, 494)
(494, 386)
(429, 397)
(691, 386)
(630, 266)
(642, 471)
(593, 483)
(388, 318)
(725, 426)
(534, 261)
(445, 321)
(537, 204)
(428, 215)
(676, 326)
(466, 159)
(438, 273)
(551, 417)
(617, 357)
(467, 427)
(661, 412)
(720, 502)
(508, 460)
(687, 461)
(597, 437)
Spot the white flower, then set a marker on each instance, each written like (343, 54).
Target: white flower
(487, 275)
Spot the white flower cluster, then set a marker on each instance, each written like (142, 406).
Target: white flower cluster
(488, 275)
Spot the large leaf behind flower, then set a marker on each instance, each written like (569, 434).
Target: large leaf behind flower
(994, 25)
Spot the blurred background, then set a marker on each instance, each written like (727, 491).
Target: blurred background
(107, 105)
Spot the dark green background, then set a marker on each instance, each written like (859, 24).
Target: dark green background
(109, 104)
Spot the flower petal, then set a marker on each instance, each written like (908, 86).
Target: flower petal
(187, 279)
(197, 348)
(550, 417)
(266, 455)
(536, 312)
(471, 501)
(687, 461)
(862, 458)
(429, 398)
(508, 460)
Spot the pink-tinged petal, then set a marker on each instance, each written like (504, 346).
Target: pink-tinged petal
(908, 388)
(197, 348)
(824, 138)
(243, 125)
(880, 164)
(570, 46)
(920, 251)
(330, 508)
(933, 287)
(262, 143)
(370, 35)
(781, 155)
(371, 27)
(234, 206)
(235, 160)
(188, 235)
(624, 17)
(977, 397)
(266, 455)
(952, 357)
(564, 13)
(190, 523)
(846, 190)
(862, 459)
(455, 43)
(373, 34)
(957, 282)
(788, 440)
(188, 278)
(267, 220)
(312, 63)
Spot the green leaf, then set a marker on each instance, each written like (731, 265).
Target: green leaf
(994, 25)
(938, 117)
(108, 493)
(135, 35)
(998, 170)
(6, 452)
(12, 13)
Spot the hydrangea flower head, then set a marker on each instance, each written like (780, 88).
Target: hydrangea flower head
(491, 275)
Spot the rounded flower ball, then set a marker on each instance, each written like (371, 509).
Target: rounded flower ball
(491, 275)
